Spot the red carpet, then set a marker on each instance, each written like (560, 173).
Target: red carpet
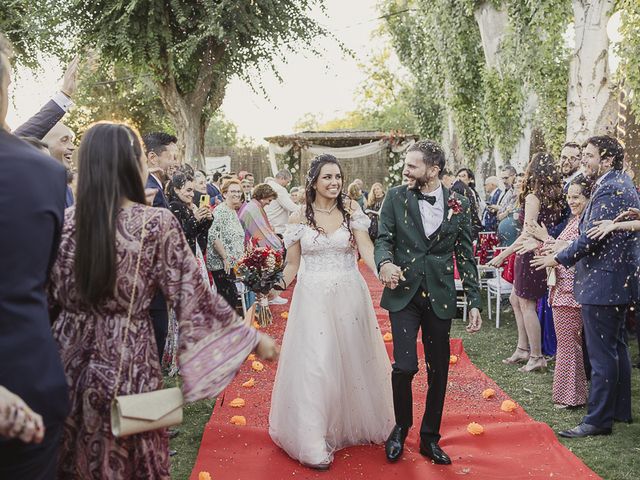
(512, 446)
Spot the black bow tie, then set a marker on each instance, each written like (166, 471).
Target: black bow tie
(429, 198)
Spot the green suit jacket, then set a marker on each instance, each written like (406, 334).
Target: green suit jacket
(426, 262)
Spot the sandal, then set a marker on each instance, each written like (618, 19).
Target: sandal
(516, 359)
(539, 364)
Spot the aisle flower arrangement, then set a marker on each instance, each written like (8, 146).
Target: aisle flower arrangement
(260, 270)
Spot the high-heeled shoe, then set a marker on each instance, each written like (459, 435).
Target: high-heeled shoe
(539, 364)
(515, 358)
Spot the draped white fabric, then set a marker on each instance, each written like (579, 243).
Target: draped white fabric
(356, 151)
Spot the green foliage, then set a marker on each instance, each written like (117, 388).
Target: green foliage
(33, 28)
(503, 100)
(439, 41)
(221, 132)
(536, 55)
(629, 50)
(114, 94)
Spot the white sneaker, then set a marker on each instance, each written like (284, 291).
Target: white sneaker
(278, 301)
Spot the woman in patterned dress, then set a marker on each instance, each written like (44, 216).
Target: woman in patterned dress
(91, 284)
(569, 378)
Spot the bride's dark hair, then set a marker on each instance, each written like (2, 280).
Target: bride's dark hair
(310, 192)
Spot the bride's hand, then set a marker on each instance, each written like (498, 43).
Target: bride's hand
(267, 348)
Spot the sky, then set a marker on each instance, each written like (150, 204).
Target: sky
(324, 85)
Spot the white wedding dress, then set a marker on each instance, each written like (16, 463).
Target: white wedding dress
(333, 384)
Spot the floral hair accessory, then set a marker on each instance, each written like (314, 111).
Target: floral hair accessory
(455, 207)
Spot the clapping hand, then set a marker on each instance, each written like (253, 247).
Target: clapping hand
(536, 230)
(541, 262)
(475, 321)
(17, 420)
(70, 78)
(527, 244)
(497, 261)
(631, 214)
(601, 229)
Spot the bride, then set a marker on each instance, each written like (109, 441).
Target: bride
(332, 387)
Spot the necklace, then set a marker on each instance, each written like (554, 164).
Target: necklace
(325, 210)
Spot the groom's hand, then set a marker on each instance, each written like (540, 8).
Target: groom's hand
(475, 321)
(390, 275)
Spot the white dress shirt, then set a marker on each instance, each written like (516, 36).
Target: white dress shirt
(278, 210)
(432, 215)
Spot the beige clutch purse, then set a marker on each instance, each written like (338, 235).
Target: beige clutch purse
(142, 412)
(146, 411)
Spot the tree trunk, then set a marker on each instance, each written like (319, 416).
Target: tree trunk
(591, 100)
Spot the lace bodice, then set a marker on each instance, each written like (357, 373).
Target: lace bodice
(326, 253)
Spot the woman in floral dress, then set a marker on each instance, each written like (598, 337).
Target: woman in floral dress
(91, 283)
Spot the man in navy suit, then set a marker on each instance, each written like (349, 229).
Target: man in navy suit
(490, 219)
(161, 150)
(32, 191)
(605, 284)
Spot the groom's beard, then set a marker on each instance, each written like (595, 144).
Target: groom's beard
(419, 182)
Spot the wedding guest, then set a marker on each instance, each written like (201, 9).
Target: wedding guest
(60, 143)
(372, 208)
(199, 190)
(226, 242)
(30, 366)
(246, 190)
(39, 144)
(142, 249)
(279, 210)
(361, 185)
(160, 149)
(354, 192)
(448, 179)
(297, 195)
(489, 219)
(606, 283)
(213, 188)
(570, 157)
(256, 225)
(569, 378)
(510, 223)
(467, 176)
(460, 186)
(194, 220)
(52, 112)
(540, 200)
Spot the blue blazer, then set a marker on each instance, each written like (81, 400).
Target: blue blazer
(43, 121)
(606, 270)
(32, 194)
(490, 220)
(160, 200)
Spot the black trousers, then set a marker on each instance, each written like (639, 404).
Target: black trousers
(160, 320)
(226, 285)
(20, 460)
(419, 315)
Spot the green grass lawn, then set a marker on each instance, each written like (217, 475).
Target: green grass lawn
(616, 456)
(612, 457)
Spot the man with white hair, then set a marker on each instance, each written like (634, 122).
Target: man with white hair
(489, 219)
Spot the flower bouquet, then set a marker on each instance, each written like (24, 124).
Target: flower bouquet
(260, 269)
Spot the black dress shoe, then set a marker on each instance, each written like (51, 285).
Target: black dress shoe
(434, 452)
(394, 445)
(584, 430)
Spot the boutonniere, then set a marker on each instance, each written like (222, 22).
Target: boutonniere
(455, 207)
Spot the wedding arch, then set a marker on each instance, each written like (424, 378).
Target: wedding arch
(369, 155)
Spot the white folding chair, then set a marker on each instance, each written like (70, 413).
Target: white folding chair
(497, 287)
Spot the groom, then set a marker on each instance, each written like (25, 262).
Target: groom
(422, 226)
